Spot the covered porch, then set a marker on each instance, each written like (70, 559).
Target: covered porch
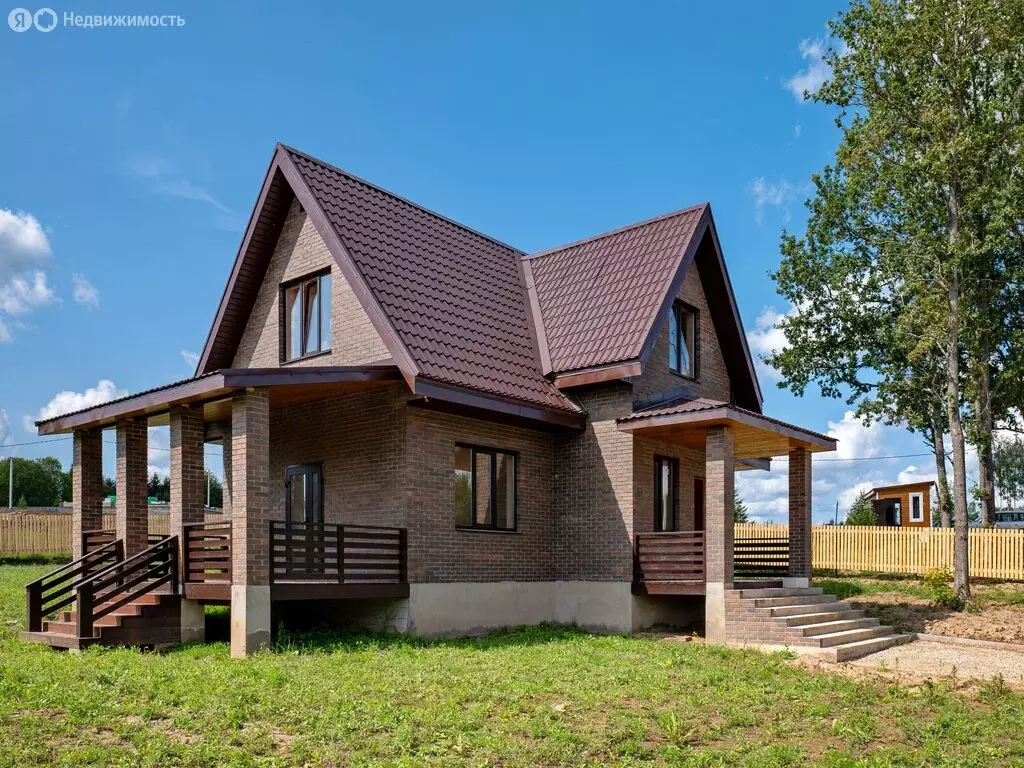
(253, 555)
(710, 561)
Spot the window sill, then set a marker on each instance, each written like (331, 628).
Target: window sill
(310, 356)
(474, 529)
(683, 376)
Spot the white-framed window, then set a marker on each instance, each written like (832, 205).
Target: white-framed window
(682, 340)
(307, 316)
(917, 507)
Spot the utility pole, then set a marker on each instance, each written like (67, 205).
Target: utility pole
(10, 481)
(207, 488)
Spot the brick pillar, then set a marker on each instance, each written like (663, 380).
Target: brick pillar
(86, 486)
(799, 518)
(250, 513)
(188, 486)
(225, 450)
(718, 528)
(132, 511)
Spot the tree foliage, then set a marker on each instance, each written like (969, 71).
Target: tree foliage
(1009, 471)
(862, 511)
(739, 510)
(905, 287)
(37, 482)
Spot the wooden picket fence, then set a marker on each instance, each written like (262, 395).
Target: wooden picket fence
(50, 533)
(993, 553)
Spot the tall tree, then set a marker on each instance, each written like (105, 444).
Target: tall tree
(862, 511)
(901, 283)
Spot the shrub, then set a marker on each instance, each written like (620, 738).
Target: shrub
(938, 584)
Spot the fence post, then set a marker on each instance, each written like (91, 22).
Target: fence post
(34, 600)
(83, 610)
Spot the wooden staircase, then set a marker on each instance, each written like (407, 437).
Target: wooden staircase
(113, 600)
(808, 617)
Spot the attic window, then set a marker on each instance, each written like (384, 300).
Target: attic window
(682, 340)
(307, 317)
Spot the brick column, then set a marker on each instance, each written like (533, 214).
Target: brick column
(250, 514)
(799, 518)
(86, 486)
(718, 528)
(225, 450)
(188, 486)
(132, 511)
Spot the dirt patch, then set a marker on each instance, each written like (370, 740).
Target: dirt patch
(911, 613)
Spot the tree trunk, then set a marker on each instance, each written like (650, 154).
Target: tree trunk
(942, 483)
(986, 461)
(961, 577)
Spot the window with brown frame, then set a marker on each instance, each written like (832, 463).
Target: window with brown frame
(684, 322)
(666, 474)
(485, 488)
(307, 316)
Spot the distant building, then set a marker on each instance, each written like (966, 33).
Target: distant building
(1009, 518)
(908, 505)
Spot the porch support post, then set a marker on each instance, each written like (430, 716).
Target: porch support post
(86, 486)
(718, 529)
(799, 518)
(250, 512)
(187, 502)
(132, 510)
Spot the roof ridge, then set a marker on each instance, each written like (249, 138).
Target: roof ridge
(609, 233)
(398, 197)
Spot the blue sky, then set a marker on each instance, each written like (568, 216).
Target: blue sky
(134, 157)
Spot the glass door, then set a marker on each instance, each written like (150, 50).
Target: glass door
(304, 502)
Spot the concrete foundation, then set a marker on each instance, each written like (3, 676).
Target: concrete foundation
(250, 619)
(714, 612)
(193, 621)
(795, 582)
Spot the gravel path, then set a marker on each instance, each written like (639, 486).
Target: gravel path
(922, 657)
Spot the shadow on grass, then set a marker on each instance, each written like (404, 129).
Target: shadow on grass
(841, 588)
(334, 640)
(57, 558)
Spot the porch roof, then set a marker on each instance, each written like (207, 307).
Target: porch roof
(685, 422)
(286, 385)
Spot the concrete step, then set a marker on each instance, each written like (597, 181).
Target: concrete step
(830, 627)
(798, 609)
(851, 651)
(776, 602)
(818, 617)
(55, 640)
(780, 592)
(845, 637)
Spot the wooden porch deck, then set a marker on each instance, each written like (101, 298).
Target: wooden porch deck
(673, 563)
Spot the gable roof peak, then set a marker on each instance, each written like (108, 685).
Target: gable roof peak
(404, 200)
(620, 230)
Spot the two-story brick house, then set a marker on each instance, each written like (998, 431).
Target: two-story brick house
(425, 426)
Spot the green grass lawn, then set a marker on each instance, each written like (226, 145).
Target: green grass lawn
(528, 698)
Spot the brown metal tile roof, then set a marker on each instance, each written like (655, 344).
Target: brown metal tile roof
(598, 298)
(454, 297)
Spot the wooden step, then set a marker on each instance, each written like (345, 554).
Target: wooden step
(153, 619)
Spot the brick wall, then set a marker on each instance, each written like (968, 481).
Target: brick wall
(188, 491)
(300, 250)
(713, 378)
(691, 465)
(594, 491)
(131, 509)
(439, 552)
(359, 440)
(86, 486)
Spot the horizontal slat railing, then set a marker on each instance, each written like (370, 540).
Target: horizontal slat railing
(335, 553)
(761, 557)
(124, 582)
(92, 540)
(672, 556)
(56, 590)
(206, 552)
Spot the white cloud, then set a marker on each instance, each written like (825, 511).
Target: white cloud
(857, 440)
(850, 494)
(191, 358)
(797, 130)
(808, 81)
(69, 402)
(914, 475)
(25, 255)
(776, 194)
(767, 338)
(159, 444)
(5, 428)
(165, 180)
(85, 293)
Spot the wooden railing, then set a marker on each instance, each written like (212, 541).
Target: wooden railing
(761, 557)
(124, 582)
(671, 556)
(329, 552)
(94, 539)
(56, 589)
(206, 552)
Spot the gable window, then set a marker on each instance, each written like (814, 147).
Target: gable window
(682, 340)
(917, 508)
(485, 488)
(307, 317)
(666, 471)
